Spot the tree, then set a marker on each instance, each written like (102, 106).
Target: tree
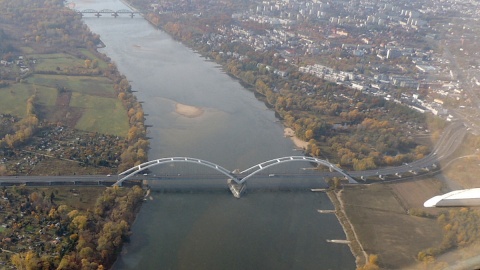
(372, 263)
(86, 252)
(308, 134)
(132, 133)
(80, 222)
(26, 261)
(88, 63)
(94, 63)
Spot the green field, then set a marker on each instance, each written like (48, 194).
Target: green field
(101, 64)
(104, 115)
(63, 61)
(50, 62)
(27, 50)
(98, 86)
(93, 99)
(13, 99)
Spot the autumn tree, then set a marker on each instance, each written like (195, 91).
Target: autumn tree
(88, 63)
(372, 263)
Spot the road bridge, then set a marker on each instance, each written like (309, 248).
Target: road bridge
(236, 178)
(446, 145)
(113, 13)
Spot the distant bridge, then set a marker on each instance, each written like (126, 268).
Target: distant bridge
(237, 179)
(99, 13)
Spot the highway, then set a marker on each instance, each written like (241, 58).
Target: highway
(450, 140)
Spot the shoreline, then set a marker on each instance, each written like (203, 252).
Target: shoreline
(361, 257)
(288, 132)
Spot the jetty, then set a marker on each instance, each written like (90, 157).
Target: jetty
(338, 241)
(325, 211)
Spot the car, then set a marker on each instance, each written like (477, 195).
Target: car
(108, 175)
(271, 175)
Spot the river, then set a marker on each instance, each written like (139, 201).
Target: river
(265, 229)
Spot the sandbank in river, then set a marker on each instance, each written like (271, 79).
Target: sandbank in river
(188, 111)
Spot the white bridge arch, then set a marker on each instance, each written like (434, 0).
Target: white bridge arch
(262, 166)
(231, 175)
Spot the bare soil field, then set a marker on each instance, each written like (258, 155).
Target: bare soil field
(54, 166)
(412, 194)
(381, 221)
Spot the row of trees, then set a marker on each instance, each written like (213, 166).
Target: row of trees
(25, 128)
(136, 149)
(461, 229)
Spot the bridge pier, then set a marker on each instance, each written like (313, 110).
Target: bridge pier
(236, 189)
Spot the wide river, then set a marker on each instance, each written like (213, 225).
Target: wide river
(212, 230)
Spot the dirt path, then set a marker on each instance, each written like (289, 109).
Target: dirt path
(355, 246)
(62, 112)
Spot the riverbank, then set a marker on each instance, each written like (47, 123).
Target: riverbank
(288, 132)
(355, 246)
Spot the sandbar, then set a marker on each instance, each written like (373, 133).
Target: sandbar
(188, 111)
(288, 132)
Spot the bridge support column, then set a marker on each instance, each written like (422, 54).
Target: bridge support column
(236, 189)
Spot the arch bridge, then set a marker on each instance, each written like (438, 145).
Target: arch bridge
(114, 13)
(236, 179)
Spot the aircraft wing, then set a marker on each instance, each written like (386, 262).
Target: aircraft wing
(462, 197)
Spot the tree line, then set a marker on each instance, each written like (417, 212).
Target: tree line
(25, 128)
(460, 228)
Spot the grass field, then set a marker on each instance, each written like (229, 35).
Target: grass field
(14, 98)
(64, 61)
(98, 86)
(101, 64)
(50, 62)
(104, 115)
(87, 103)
